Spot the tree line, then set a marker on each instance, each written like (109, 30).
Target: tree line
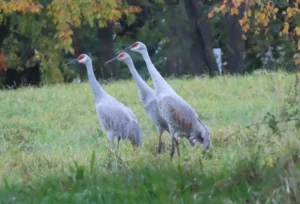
(38, 36)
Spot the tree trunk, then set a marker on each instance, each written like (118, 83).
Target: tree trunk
(236, 45)
(106, 52)
(79, 49)
(173, 48)
(202, 49)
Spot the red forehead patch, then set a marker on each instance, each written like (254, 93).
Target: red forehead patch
(121, 54)
(80, 57)
(134, 44)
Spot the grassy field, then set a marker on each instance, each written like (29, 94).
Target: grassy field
(52, 149)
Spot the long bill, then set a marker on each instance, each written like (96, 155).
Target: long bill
(125, 49)
(72, 61)
(111, 60)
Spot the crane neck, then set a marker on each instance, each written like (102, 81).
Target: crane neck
(158, 81)
(98, 92)
(141, 84)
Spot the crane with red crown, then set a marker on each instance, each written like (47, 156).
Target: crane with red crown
(115, 118)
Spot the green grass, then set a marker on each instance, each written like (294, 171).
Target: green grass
(44, 130)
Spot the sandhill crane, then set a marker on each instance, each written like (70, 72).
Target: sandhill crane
(115, 118)
(146, 95)
(182, 119)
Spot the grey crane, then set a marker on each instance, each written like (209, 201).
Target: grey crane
(182, 119)
(114, 117)
(146, 95)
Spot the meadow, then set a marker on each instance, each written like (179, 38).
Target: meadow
(52, 149)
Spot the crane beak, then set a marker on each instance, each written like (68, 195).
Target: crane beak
(72, 61)
(125, 49)
(111, 60)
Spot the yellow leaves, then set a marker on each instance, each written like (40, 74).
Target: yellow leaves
(135, 9)
(64, 13)
(236, 3)
(262, 18)
(297, 58)
(115, 15)
(297, 31)
(285, 29)
(210, 14)
(243, 20)
(260, 15)
(126, 12)
(73, 12)
(245, 23)
(36, 8)
(72, 50)
(221, 8)
(102, 23)
(248, 12)
(20, 6)
(234, 11)
(290, 12)
(132, 9)
(246, 28)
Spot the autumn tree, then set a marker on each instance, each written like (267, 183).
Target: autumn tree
(49, 25)
(262, 18)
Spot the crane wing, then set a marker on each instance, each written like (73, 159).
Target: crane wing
(113, 117)
(178, 111)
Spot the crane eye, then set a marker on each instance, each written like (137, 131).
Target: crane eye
(80, 57)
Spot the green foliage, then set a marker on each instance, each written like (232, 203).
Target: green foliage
(46, 26)
(58, 126)
(57, 30)
(265, 24)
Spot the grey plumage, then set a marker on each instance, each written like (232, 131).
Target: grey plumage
(114, 117)
(147, 97)
(182, 119)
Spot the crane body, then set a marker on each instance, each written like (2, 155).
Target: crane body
(182, 119)
(147, 97)
(115, 118)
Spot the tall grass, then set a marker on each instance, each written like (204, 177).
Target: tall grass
(53, 150)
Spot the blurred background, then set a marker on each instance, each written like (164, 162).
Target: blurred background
(184, 37)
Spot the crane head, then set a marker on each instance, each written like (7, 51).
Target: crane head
(202, 136)
(121, 57)
(83, 58)
(135, 47)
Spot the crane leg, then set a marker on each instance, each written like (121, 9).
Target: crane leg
(159, 132)
(119, 138)
(111, 141)
(173, 147)
(177, 146)
(174, 141)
